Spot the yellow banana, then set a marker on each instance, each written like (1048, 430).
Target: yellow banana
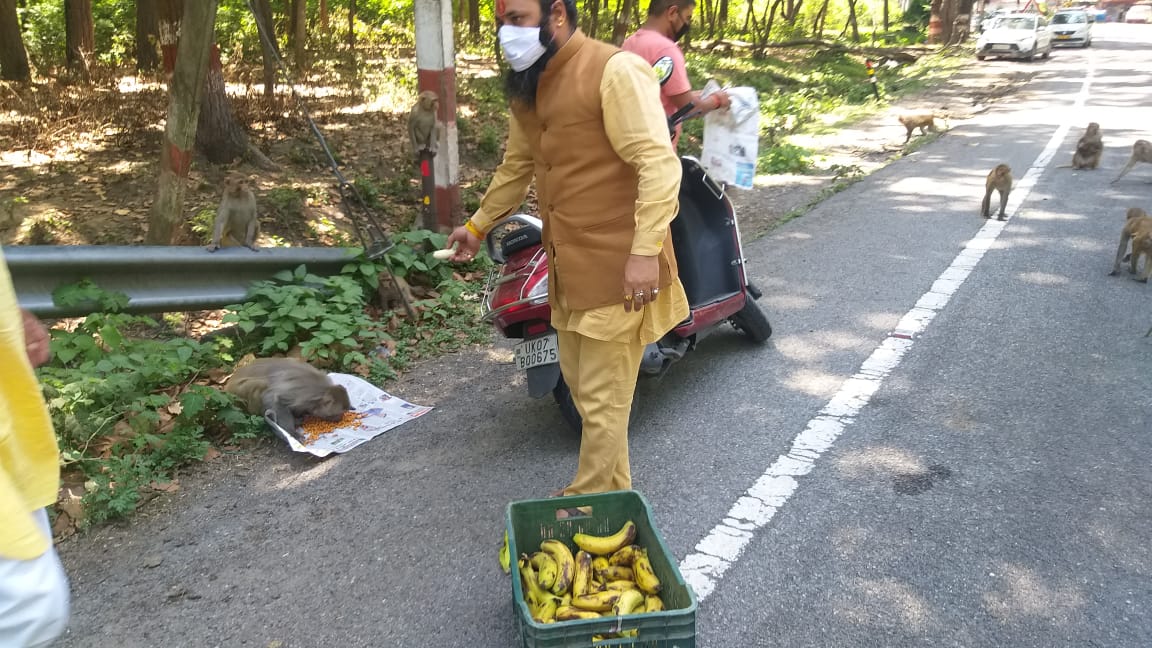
(606, 545)
(565, 564)
(533, 593)
(546, 570)
(599, 564)
(505, 557)
(624, 556)
(617, 573)
(566, 600)
(546, 611)
(569, 613)
(642, 571)
(597, 602)
(629, 600)
(653, 603)
(629, 634)
(582, 578)
(621, 585)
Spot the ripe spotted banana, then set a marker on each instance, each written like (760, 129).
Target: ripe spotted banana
(606, 545)
(642, 571)
(624, 556)
(569, 613)
(620, 585)
(653, 603)
(599, 564)
(616, 573)
(629, 600)
(597, 602)
(565, 564)
(582, 579)
(546, 569)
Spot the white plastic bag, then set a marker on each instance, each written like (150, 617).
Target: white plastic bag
(732, 138)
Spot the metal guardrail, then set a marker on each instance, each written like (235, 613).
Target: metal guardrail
(156, 279)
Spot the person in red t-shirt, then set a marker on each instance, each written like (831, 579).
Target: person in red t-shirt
(668, 21)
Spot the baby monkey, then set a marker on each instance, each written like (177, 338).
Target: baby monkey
(1141, 152)
(1089, 148)
(236, 218)
(1137, 230)
(999, 179)
(287, 390)
(923, 121)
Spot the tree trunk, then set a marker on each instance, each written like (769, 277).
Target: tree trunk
(147, 36)
(219, 136)
(184, 91)
(299, 32)
(818, 22)
(592, 9)
(722, 19)
(851, 22)
(322, 15)
(935, 23)
(474, 19)
(623, 21)
(268, 47)
(79, 36)
(769, 21)
(352, 25)
(13, 56)
(169, 14)
(887, 23)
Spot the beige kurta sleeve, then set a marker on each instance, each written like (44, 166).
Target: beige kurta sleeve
(638, 130)
(510, 183)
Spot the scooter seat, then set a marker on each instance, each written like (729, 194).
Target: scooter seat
(519, 239)
(704, 238)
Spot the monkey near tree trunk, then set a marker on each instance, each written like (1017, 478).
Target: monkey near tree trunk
(236, 219)
(423, 130)
(287, 390)
(999, 179)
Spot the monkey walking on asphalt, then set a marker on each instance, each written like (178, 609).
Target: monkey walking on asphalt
(423, 129)
(999, 179)
(1141, 152)
(236, 219)
(923, 121)
(1137, 230)
(288, 390)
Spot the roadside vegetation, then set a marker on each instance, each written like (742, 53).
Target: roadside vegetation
(136, 399)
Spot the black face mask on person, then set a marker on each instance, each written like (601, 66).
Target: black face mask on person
(520, 85)
(683, 31)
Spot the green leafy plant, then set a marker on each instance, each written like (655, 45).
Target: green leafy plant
(785, 158)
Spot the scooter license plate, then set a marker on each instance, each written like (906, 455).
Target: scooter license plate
(536, 352)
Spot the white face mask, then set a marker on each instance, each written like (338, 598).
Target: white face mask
(521, 45)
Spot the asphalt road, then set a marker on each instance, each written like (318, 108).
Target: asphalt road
(994, 489)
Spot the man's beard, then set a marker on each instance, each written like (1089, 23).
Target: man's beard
(520, 87)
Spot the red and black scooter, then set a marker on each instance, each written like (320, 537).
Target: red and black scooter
(706, 240)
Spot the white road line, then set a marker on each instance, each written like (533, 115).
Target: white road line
(722, 547)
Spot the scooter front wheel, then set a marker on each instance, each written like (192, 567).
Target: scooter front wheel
(752, 321)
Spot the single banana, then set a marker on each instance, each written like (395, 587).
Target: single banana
(620, 585)
(599, 564)
(582, 578)
(546, 570)
(533, 593)
(598, 602)
(629, 600)
(642, 571)
(505, 557)
(546, 611)
(653, 603)
(565, 564)
(624, 556)
(566, 600)
(628, 634)
(616, 573)
(606, 545)
(569, 613)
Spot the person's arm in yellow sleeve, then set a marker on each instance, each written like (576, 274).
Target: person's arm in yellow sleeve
(510, 183)
(637, 128)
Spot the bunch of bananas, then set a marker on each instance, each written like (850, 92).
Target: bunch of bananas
(608, 576)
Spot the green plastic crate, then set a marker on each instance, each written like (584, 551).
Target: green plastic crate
(531, 521)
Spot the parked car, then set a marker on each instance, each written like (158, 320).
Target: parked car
(1072, 27)
(1017, 36)
(1138, 14)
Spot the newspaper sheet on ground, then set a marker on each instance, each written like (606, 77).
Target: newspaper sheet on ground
(382, 412)
(732, 138)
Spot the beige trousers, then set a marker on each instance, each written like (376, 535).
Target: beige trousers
(602, 378)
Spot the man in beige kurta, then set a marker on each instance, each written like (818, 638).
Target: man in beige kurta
(590, 129)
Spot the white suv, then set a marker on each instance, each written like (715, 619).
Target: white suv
(1072, 27)
(1016, 36)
